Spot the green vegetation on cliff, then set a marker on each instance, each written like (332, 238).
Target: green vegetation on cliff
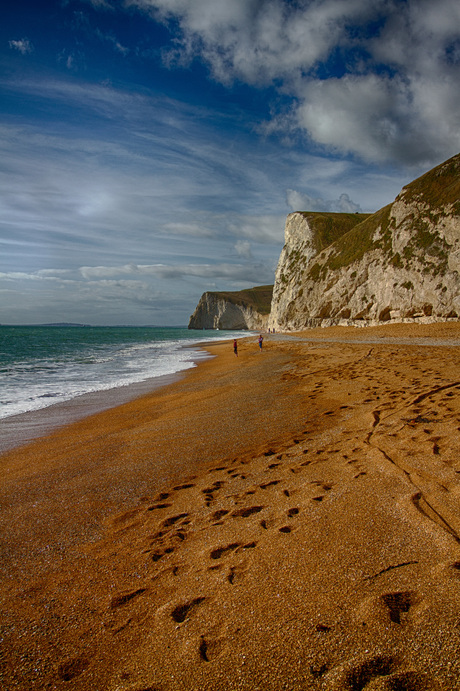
(329, 227)
(259, 298)
(361, 239)
(439, 188)
(434, 195)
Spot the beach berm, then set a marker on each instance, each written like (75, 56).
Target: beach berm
(284, 520)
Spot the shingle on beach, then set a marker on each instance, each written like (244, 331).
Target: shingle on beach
(284, 520)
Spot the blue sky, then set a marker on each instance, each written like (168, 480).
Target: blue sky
(150, 150)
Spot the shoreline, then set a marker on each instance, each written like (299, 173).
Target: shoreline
(23, 428)
(284, 519)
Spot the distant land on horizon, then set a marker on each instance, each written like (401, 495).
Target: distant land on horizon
(106, 326)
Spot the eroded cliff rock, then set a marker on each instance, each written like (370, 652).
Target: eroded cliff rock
(401, 263)
(245, 309)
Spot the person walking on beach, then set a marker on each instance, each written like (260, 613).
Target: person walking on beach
(235, 347)
(261, 340)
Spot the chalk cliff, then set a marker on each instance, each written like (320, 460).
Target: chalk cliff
(244, 309)
(401, 263)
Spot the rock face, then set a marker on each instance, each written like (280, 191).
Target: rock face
(245, 309)
(401, 263)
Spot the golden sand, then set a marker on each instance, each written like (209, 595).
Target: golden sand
(282, 520)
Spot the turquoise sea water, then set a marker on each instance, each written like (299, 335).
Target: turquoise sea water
(44, 365)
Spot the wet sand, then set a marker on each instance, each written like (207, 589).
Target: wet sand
(286, 520)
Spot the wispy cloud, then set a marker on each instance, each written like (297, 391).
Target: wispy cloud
(23, 45)
(222, 271)
(133, 179)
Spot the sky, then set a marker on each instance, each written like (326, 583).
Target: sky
(150, 150)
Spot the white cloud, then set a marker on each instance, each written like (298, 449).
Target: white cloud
(243, 249)
(346, 205)
(111, 39)
(365, 115)
(223, 271)
(100, 4)
(41, 275)
(261, 229)
(398, 98)
(257, 41)
(194, 230)
(23, 45)
(298, 201)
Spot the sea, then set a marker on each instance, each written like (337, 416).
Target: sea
(53, 374)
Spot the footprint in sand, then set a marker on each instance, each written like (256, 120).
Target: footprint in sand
(269, 484)
(236, 574)
(160, 553)
(181, 612)
(217, 515)
(70, 669)
(210, 647)
(221, 551)
(122, 599)
(326, 486)
(381, 671)
(165, 540)
(209, 492)
(249, 511)
(398, 603)
(173, 519)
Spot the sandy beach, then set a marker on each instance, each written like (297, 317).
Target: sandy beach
(284, 520)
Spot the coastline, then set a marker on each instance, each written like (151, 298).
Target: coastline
(282, 520)
(21, 428)
(17, 430)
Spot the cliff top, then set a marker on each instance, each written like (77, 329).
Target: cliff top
(330, 226)
(259, 297)
(439, 187)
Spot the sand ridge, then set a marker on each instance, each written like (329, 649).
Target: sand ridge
(307, 537)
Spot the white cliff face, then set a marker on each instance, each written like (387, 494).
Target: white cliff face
(214, 312)
(399, 264)
(297, 253)
(402, 263)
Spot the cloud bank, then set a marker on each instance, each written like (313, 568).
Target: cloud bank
(375, 80)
